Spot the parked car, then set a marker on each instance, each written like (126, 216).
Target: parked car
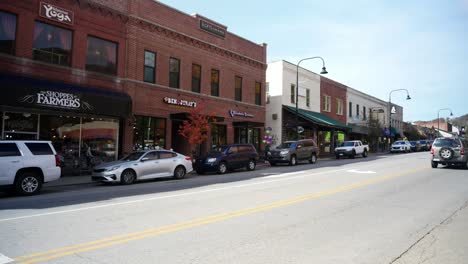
(351, 149)
(143, 165)
(424, 145)
(401, 146)
(26, 165)
(415, 146)
(449, 151)
(293, 151)
(228, 157)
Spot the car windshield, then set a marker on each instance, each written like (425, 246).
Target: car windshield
(445, 142)
(347, 144)
(399, 143)
(413, 143)
(133, 156)
(287, 145)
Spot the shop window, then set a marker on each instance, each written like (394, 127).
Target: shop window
(7, 33)
(244, 135)
(214, 82)
(258, 93)
(20, 126)
(101, 56)
(238, 88)
(326, 103)
(218, 135)
(293, 93)
(196, 78)
(149, 133)
(308, 97)
(150, 67)
(174, 73)
(52, 44)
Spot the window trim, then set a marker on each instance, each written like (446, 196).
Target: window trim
(327, 103)
(293, 93)
(350, 106)
(236, 77)
(199, 78)
(116, 55)
(70, 55)
(339, 106)
(215, 83)
(177, 86)
(258, 96)
(151, 67)
(308, 97)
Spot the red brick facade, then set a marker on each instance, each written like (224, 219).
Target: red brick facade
(336, 91)
(139, 25)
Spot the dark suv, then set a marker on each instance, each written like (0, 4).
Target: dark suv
(292, 151)
(449, 151)
(228, 157)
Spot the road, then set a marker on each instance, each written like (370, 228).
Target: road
(380, 209)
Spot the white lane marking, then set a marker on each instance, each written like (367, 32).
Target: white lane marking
(300, 174)
(361, 172)
(4, 259)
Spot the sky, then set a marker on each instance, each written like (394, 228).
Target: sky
(374, 46)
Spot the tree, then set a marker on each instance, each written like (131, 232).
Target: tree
(195, 129)
(375, 131)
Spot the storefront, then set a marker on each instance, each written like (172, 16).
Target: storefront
(84, 124)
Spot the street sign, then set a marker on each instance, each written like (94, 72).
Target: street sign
(300, 129)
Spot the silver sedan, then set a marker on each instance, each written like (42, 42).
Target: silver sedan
(142, 165)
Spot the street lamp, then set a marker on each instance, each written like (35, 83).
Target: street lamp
(324, 71)
(438, 121)
(390, 107)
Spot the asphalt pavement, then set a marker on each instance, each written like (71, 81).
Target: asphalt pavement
(381, 209)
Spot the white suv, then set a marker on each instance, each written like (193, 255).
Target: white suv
(26, 165)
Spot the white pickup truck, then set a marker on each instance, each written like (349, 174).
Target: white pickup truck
(351, 149)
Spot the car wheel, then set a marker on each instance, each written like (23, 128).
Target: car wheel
(313, 158)
(179, 172)
(446, 153)
(251, 165)
(222, 168)
(28, 183)
(465, 166)
(434, 164)
(364, 154)
(292, 161)
(127, 177)
(353, 155)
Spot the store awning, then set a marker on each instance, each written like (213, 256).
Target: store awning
(24, 92)
(317, 118)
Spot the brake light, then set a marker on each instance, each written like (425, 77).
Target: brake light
(432, 151)
(188, 158)
(462, 151)
(57, 161)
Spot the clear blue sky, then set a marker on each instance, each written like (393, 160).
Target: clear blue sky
(372, 46)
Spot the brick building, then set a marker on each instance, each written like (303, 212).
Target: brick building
(107, 77)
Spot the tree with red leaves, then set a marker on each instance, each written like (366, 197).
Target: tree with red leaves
(195, 129)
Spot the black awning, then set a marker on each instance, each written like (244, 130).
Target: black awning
(46, 95)
(247, 124)
(185, 116)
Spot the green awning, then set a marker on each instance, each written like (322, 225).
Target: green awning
(317, 118)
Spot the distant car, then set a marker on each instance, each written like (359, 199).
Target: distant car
(293, 151)
(26, 165)
(351, 149)
(415, 146)
(228, 157)
(400, 146)
(424, 145)
(142, 165)
(449, 151)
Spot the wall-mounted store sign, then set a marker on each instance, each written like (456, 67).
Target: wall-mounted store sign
(174, 101)
(56, 100)
(56, 13)
(213, 29)
(234, 113)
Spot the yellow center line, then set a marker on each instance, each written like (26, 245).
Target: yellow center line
(115, 240)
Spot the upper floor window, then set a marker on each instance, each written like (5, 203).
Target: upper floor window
(101, 56)
(326, 103)
(196, 78)
(350, 109)
(150, 67)
(339, 106)
(52, 44)
(214, 82)
(293, 93)
(308, 97)
(364, 114)
(357, 110)
(238, 88)
(258, 93)
(174, 73)
(7, 32)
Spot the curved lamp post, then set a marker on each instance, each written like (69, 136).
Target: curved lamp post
(438, 114)
(324, 71)
(390, 109)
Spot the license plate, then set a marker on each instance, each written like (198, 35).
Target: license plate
(341, 154)
(436, 160)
